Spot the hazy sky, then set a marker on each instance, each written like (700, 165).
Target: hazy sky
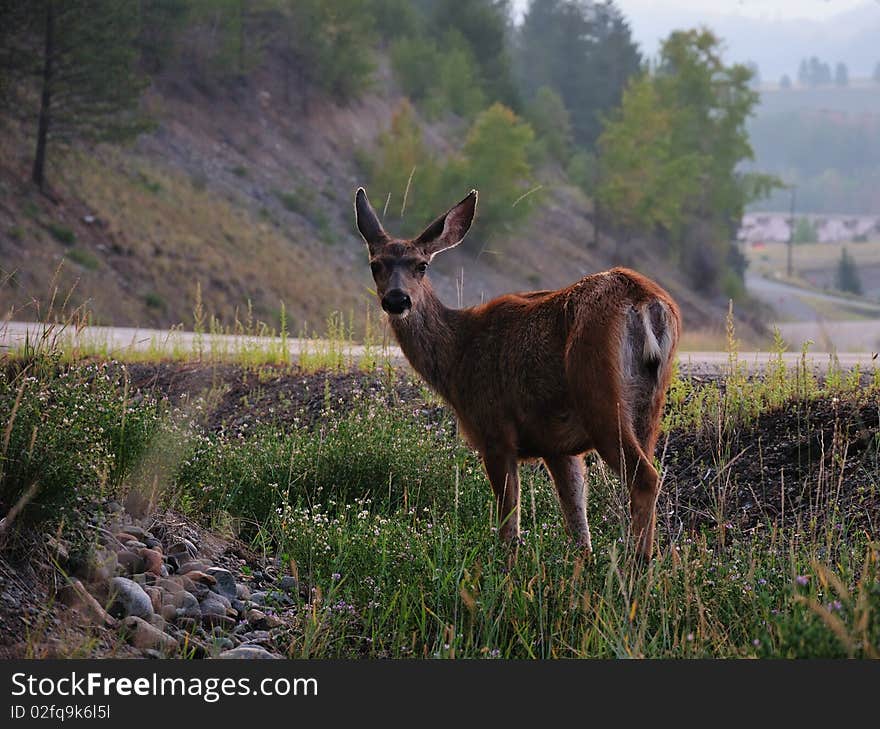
(813, 9)
(775, 34)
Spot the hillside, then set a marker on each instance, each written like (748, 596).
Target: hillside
(248, 198)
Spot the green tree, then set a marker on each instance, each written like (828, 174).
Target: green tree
(82, 56)
(584, 51)
(160, 24)
(441, 77)
(484, 25)
(495, 161)
(404, 171)
(645, 183)
(841, 74)
(325, 45)
(848, 278)
(713, 102)
(551, 122)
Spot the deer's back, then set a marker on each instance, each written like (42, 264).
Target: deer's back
(510, 381)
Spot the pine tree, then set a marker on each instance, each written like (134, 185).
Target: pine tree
(83, 55)
(848, 278)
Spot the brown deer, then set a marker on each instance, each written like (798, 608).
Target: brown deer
(542, 374)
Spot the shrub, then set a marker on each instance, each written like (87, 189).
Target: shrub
(62, 234)
(71, 437)
(83, 258)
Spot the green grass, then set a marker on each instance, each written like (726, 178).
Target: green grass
(62, 234)
(84, 259)
(386, 516)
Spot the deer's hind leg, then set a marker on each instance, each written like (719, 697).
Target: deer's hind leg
(568, 475)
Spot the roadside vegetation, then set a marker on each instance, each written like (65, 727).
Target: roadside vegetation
(359, 485)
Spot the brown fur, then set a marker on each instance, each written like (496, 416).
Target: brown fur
(543, 374)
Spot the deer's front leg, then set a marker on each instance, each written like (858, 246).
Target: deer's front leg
(568, 475)
(503, 472)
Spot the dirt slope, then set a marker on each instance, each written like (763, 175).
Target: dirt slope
(246, 196)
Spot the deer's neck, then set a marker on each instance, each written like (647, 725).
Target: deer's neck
(428, 337)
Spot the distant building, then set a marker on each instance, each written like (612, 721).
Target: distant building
(830, 228)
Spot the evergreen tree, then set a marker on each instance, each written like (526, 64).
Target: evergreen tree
(848, 278)
(584, 51)
(876, 74)
(552, 123)
(484, 25)
(83, 56)
(841, 74)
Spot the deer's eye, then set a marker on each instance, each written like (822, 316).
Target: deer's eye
(376, 267)
(421, 267)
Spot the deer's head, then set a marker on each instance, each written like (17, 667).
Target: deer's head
(399, 266)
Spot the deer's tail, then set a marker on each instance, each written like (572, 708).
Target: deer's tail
(650, 338)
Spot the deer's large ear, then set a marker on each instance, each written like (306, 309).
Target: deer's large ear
(368, 224)
(449, 229)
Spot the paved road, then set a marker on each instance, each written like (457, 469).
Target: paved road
(809, 323)
(122, 341)
(794, 302)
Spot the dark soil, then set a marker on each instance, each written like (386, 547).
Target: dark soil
(783, 468)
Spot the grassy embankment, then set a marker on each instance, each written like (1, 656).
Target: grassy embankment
(387, 515)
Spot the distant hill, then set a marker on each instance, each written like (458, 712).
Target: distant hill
(251, 201)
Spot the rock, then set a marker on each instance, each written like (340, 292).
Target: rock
(193, 565)
(157, 621)
(262, 621)
(248, 652)
(223, 643)
(130, 562)
(145, 636)
(135, 544)
(169, 613)
(129, 598)
(169, 584)
(214, 604)
(288, 583)
(135, 531)
(257, 636)
(153, 543)
(201, 577)
(187, 605)
(242, 591)
(185, 546)
(224, 582)
(196, 588)
(271, 597)
(240, 606)
(152, 560)
(145, 578)
(224, 621)
(123, 537)
(188, 624)
(155, 595)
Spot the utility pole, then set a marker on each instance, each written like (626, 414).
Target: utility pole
(788, 270)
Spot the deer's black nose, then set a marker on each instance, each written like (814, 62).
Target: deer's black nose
(396, 301)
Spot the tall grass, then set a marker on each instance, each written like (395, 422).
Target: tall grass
(386, 517)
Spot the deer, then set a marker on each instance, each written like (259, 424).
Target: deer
(549, 375)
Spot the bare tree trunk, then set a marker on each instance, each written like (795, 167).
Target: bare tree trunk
(38, 176)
